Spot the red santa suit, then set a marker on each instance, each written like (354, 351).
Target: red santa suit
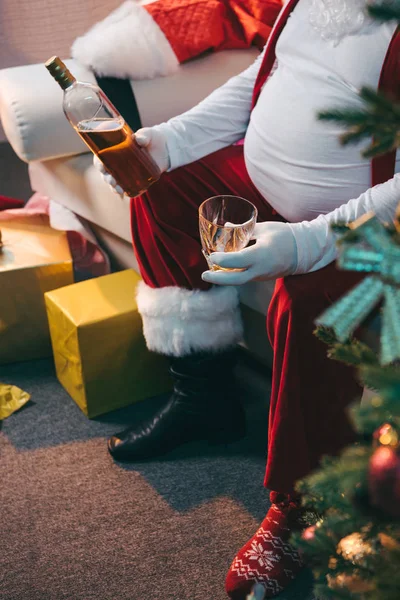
(292, 168)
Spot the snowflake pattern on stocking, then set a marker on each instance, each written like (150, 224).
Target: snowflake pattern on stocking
(268, 558)
(265, 558)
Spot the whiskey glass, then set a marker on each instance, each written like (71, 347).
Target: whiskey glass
(226, 224)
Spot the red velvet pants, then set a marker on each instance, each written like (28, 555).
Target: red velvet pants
(309, 392)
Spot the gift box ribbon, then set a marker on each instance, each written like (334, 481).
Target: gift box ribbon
(369, 248)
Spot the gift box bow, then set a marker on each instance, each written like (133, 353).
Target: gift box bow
(369, 247)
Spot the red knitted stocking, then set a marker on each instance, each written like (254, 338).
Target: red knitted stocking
(268, 558)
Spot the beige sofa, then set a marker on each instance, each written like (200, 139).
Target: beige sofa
(61, 168)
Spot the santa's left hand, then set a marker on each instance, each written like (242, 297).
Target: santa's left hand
(273, 255)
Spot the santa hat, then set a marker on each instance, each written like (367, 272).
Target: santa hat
(143, 41)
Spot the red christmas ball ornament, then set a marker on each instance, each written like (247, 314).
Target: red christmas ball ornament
(384, 480)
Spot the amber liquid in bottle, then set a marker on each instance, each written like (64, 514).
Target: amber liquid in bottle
(112, 140)
(105, 132)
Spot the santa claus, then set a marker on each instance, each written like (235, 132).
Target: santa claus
(294, 170)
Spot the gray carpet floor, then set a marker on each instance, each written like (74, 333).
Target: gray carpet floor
(75, 524)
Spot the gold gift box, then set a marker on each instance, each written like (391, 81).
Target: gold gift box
(34, 259)
(99, 350)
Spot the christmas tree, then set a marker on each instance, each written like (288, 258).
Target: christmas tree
(354, 547)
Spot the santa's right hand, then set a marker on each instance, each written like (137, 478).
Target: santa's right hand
(155, 143)
(98, 165)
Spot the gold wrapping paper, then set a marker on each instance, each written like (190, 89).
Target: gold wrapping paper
(12, 398)
(99, 350)
(34, 259)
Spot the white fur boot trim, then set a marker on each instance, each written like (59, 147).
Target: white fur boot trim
(127, 44)
(177, 322)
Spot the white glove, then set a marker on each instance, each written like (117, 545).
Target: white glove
(147, 137)
(156, 143)
(273, 255)
(98, 165)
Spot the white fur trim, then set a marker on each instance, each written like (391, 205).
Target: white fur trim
(177, 322)
(127, 44)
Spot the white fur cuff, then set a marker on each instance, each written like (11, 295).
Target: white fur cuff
(127, 44)
(177, 322)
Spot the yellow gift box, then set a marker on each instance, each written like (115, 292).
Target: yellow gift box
(99, 350)
(34, 259)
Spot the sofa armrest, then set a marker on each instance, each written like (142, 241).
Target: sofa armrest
(31, 102)
(31, 112)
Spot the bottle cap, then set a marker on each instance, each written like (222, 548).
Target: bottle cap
(59, 71)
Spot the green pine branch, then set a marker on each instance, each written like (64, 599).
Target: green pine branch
(387, 580)
(335, 482)
(352, 352)
(385, 380)
(378, 121)
(372, 413)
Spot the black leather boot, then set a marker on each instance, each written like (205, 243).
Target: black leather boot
(204, 406)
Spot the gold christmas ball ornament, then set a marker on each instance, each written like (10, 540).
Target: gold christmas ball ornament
(354, 548)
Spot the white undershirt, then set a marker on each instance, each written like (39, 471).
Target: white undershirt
(294, 160)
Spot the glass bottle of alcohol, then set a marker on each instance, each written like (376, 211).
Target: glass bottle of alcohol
(105, 131)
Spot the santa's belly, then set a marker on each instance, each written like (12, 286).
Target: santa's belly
(295, 160)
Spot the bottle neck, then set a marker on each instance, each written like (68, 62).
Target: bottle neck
(64, 78)
(60, 72)
(66, 83)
